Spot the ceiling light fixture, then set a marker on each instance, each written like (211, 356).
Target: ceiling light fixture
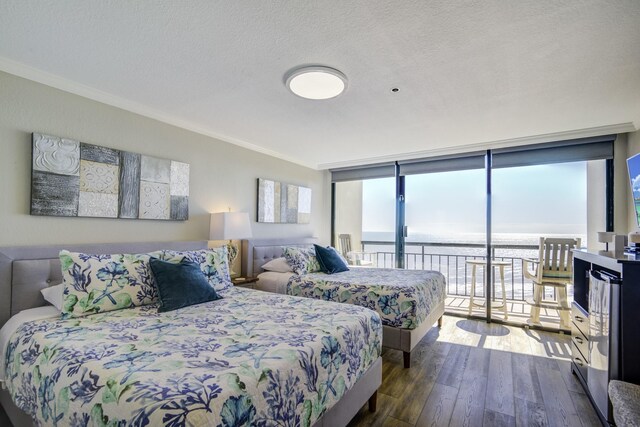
(316, 82)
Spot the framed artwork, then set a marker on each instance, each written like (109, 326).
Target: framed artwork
(283, 203)
(72, 178)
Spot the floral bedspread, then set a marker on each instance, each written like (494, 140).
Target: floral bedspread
(402, 298)
(251, 358)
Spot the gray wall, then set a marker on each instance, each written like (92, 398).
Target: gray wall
(222, 175)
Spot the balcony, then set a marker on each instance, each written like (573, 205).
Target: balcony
(451, 260)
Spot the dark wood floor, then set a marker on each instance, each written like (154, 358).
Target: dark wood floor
(471, 373)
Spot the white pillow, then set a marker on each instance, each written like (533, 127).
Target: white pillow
(53, 295)
(279, 265)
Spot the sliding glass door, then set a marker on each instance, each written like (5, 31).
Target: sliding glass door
(364, 221)
(446, 229)
(530, 202)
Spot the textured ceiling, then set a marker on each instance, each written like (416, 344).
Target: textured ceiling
(471, 73)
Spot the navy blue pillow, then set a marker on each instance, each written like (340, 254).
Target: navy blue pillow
(329, 260)
(180, 285)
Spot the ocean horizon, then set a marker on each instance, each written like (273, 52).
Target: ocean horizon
(531, 239)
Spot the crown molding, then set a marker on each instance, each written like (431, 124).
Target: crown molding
(512, 142)
(30, 73)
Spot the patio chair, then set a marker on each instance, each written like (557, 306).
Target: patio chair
(354, 257)
(553, 268)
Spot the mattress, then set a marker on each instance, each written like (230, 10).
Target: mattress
(273, 281)
(249, 358)
(15, 322)
(402, 298)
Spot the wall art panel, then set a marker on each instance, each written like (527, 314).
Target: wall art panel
(283, 203)
(155, 170)
(96, 153)
(98, 177)
(56, 155)
(179, 179)
(129, 184)
(155, 201)
(101, 205)
(53, 194)
(72, 178)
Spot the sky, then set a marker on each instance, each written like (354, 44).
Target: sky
(541, 199)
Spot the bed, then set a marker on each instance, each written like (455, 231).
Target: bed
(409, 302)
(247, 358)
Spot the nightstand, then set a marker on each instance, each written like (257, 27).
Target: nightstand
(245, 282)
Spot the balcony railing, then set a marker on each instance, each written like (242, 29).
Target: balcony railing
(451, 260)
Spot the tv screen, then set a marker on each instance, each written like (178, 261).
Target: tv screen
(633, 164)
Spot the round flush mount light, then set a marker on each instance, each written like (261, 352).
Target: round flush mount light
(316, 82)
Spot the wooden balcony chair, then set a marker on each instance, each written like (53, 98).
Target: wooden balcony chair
(553, 268)
(354, 257)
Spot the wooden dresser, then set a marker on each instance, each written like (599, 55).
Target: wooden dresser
(605, 330)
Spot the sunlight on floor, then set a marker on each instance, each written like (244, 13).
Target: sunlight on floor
(518, 312)
(515, 339)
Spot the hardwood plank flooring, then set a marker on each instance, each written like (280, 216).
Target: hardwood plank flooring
(497, 419)
(470, 373)
(584, 408)
(525, 379)
(500, 384)
(530, 413)
(439, 407)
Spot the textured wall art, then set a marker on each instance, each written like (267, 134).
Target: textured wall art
(72, 178)
(283, 203)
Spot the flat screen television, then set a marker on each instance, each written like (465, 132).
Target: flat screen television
(633, 165)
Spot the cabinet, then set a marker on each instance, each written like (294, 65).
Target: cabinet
(580, 340)
(605, 338)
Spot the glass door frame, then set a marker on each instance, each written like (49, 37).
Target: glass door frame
(400, 225)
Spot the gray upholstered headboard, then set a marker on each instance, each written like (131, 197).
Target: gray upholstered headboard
(258, 252)
(25, 270)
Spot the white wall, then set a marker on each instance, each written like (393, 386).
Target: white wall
(625, 146)
(620, 185)
(596, 202)
(348, 215)
(222, 175)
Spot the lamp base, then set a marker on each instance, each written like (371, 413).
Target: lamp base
(232, 251)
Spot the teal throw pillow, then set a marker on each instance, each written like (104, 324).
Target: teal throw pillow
(330, 261)
(181, 285)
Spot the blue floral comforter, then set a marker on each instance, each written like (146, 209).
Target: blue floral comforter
(402, 298)
(251, 358)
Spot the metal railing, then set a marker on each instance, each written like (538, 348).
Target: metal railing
(451, 260)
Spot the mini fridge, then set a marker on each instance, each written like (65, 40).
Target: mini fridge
(603, 365)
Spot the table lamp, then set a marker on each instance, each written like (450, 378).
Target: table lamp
(606, 237)
(230, 226)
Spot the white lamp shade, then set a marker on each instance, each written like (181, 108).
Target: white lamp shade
(606, 236)
(230, 226)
